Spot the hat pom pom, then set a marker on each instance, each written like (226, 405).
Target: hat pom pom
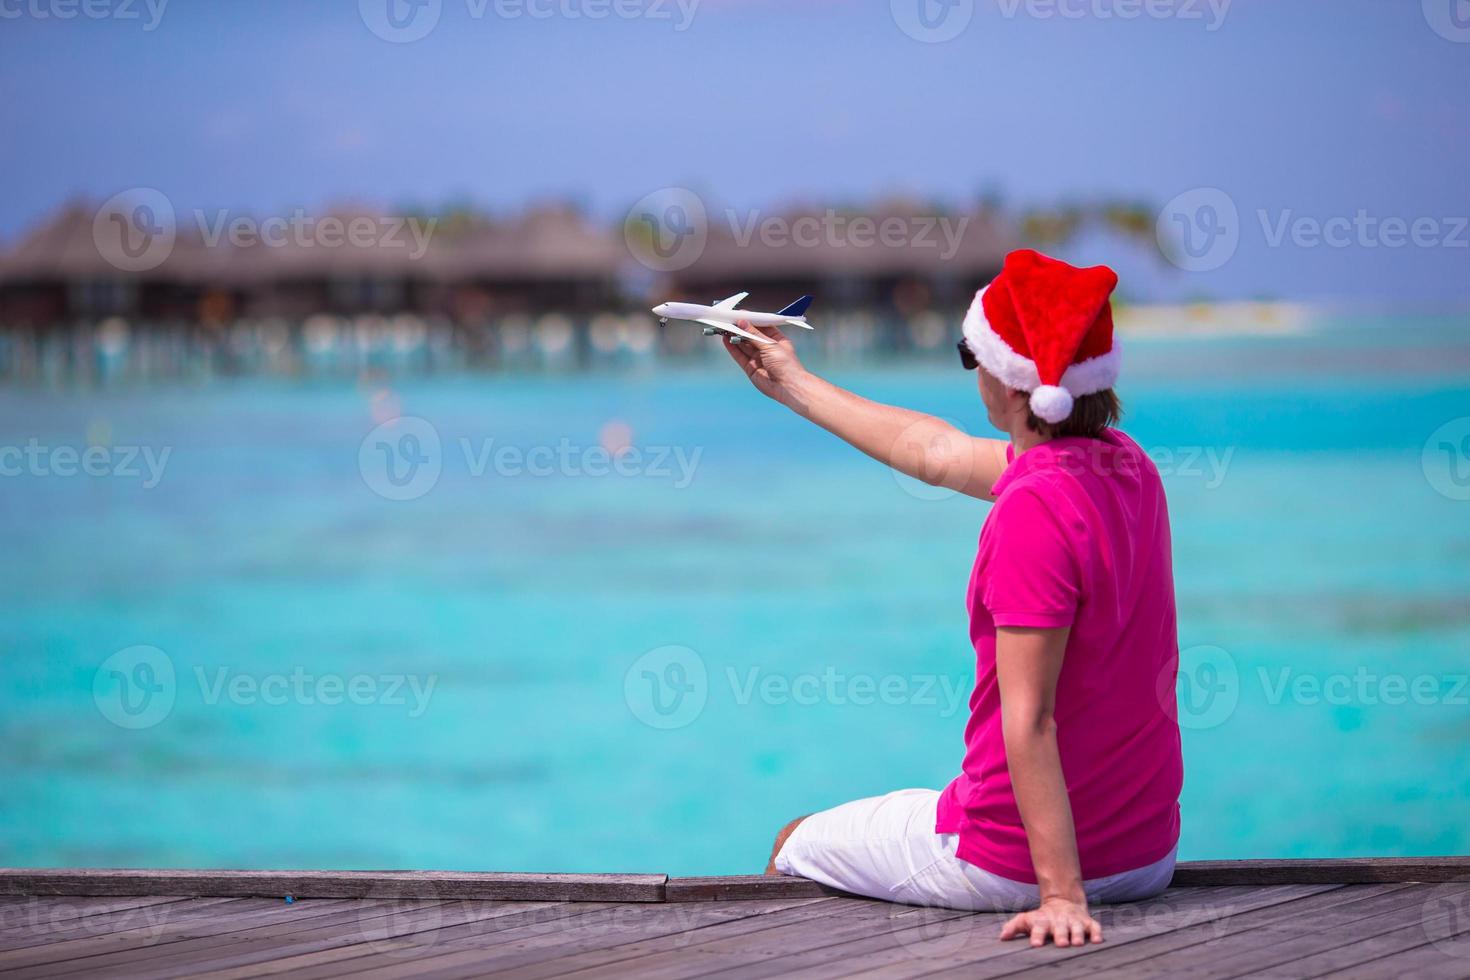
(1051, 403)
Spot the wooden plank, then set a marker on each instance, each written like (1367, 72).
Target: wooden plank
(628, 887)
(81, 957)
(899, 945)
(708, 926)
(1337, 871)
(727, 888)
(205, 911)
(978, 954)
(1427, 962)
(1287, 941)
(1384, 948)
(682, 922)
(465, 960)
(211, 934)
(334, 884)
(599, 962)
(972, 946)
(149, 918)
(754, 950)
(277, 947)
(32, 912)
(1414, 927)
(1239, 943)
(393, 952)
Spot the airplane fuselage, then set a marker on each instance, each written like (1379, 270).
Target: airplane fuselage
(697, 311)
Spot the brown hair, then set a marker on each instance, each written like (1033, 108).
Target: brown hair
(1090, 415)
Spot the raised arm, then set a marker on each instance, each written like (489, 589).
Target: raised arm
(919, 445)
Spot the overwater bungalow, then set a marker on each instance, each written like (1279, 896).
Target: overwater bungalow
(548, 279)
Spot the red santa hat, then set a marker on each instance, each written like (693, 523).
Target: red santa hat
(1046, 327)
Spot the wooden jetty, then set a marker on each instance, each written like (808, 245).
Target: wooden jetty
(1392, 917)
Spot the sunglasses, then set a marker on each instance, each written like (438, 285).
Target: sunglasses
(967, 356)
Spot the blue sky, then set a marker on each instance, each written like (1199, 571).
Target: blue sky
(1315, 109)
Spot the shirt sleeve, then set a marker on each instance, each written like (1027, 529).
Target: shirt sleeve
(1031, 572)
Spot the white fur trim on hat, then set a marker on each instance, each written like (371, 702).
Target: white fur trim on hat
(994, 353)
(1051, 403)
(1019, 373)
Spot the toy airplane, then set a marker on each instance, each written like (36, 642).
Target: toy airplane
(723, 317)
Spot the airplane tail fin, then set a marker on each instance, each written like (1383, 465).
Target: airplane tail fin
(796, 309)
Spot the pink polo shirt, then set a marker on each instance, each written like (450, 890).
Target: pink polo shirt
(1079, 537)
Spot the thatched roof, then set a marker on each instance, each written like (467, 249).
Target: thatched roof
(546, 243)
(65, 248)
(553, 242)
(60, 248)
(897, 238)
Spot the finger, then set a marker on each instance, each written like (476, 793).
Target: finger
(1038, 933)
(771, 333)
(738, 355)
(1094, 929)
(1079, 933)
(1016, 927)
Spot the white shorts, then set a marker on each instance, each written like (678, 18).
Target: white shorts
(885, 847)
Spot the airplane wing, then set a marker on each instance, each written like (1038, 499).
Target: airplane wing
(731, 303)
(731, 328)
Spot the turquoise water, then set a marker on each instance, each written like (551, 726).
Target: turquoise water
(815, 604)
